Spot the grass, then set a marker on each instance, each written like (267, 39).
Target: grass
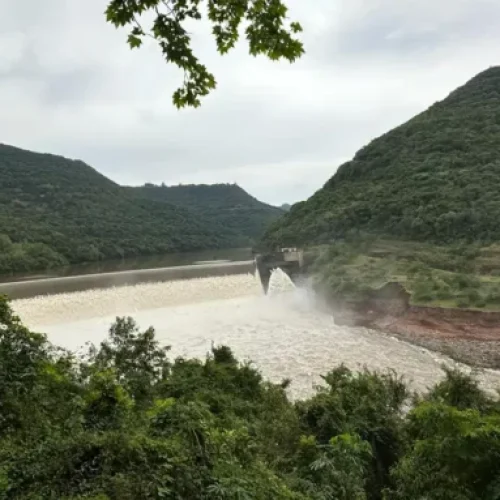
(459, 276)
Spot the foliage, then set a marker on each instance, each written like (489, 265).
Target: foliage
(227, 204)
(267, 32)
(435, 178)
(453, 455)
(466, 276)
(27, 256)
(362, 404)
(55, 211)
(125, 422)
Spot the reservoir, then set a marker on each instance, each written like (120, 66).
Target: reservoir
(284, 333)
(137, 263)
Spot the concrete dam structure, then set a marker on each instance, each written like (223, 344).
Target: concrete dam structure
(79, 283)
(289, 260)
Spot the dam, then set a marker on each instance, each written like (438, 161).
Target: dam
(283, 332)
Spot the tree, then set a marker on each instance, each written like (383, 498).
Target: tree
(267, 31)
(125, 423)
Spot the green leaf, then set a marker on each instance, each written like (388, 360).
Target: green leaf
(134, 41)
(268, 33)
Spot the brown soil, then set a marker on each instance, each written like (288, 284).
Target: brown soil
(472, 337)
(472, 343)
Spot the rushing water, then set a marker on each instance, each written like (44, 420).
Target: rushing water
(283, 332)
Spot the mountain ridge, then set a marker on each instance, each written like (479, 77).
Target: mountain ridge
(230, 204)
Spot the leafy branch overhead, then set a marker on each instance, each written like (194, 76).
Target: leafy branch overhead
(268, 32)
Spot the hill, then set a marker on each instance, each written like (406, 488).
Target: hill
(435, 178)
(54, 210)
(226, 204)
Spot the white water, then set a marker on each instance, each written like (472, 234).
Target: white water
(283, 332)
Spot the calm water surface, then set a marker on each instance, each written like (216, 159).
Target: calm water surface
(132, 263)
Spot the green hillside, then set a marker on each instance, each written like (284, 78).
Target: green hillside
(435, 178)
(54, 210)
(226, 204)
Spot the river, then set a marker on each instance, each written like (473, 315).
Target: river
(284, 332)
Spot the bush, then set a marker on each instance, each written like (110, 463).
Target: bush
(127, 423)
(494, 296)
(463, 281)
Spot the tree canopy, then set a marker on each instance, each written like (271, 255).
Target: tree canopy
(126, 422)
(267, 31)
(228, 204)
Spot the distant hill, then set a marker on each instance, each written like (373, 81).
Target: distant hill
(435, 178)
(225, 204)
(54, 210)
(286, 207)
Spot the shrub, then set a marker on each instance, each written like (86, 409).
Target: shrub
(127, 423)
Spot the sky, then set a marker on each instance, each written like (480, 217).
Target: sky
(70, 85)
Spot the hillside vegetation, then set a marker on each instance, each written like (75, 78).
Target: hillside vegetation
(435, 178)
(457, 276)
(225, 204)
(55, 211)
(125, 423)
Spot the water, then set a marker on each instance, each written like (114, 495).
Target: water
(135, 263)
(283, 333)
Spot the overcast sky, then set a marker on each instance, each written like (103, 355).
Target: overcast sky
(69, 85)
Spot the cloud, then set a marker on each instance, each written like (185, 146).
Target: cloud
(70, 85)
(389, 29)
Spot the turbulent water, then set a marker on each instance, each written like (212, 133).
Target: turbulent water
(283, 332)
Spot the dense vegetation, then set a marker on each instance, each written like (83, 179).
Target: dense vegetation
(125, 422)
(435, 178)
(225, 204)
(55, 211)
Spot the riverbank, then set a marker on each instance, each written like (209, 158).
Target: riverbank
(443, 298)
(467, 336)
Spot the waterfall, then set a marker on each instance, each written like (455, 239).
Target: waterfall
(279, 282)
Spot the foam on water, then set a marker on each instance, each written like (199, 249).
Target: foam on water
(283, 332)
(279, 282)
(127, 300)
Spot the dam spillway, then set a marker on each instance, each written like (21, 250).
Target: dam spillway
(69, 284)
(283, 332)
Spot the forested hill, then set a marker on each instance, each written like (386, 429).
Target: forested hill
(227, 204)
(434, 178)
(54, 210)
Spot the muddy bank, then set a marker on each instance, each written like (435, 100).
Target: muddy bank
(472, 337)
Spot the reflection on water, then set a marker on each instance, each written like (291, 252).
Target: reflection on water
(149, 262)
(283, 332)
